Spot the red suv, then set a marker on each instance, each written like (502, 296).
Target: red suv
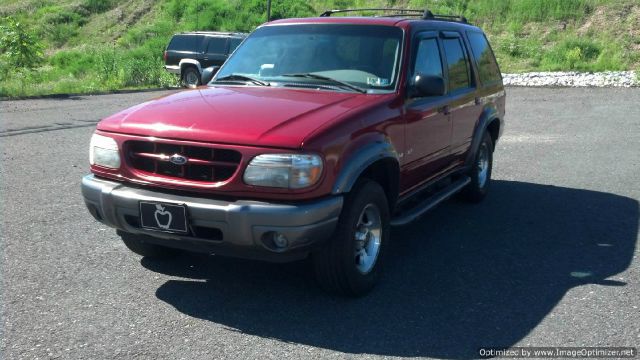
(313, 139)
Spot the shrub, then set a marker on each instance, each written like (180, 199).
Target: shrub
(59, 34)
(176, 9)
(62, 16)
(76, 62)
(146, 71)
(572, 54)
(512, 46)
(108, 66)
(97, 6)
(20, 46)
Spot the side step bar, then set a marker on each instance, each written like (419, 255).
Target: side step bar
(430, 203)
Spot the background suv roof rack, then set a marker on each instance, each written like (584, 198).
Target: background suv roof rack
(424, 14)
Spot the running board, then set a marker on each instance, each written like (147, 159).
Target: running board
(430, 203)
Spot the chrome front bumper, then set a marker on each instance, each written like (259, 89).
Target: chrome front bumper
(236, 228)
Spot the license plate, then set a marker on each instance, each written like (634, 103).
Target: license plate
(163, 217)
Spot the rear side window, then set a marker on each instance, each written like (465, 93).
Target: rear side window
(458, 65)
(217, 45)
(428, 58)
(485, 60)
(185, 43)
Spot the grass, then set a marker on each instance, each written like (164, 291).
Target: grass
(98, 45)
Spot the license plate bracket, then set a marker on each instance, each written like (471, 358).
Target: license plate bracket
(164, 217)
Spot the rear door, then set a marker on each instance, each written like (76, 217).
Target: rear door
(428, 125)
(464, 104)
(216, 51)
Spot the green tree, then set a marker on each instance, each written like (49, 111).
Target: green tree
(19, 45)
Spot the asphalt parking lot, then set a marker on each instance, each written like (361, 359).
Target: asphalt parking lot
(549, 259)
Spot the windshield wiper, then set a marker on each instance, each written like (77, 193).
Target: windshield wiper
(327, 79)
(245, 78)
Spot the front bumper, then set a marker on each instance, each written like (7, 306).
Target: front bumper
(232, 228)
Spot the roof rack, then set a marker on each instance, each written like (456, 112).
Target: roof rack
(423, 14)
(205, 32)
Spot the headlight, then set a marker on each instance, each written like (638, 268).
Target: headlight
(291, 171)
(103, 151)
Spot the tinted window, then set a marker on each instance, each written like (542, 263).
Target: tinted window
(428, 58)
(485, 60)
(185, 43)
(217, 45)
(366, 56)
(457, 64)
(233, 44)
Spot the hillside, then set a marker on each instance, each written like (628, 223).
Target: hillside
(94, 45)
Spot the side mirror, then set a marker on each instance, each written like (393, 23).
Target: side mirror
(428, 85)
(208, 73)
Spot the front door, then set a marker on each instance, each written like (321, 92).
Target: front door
(428, 123)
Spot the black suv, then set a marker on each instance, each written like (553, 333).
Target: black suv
(188, 53)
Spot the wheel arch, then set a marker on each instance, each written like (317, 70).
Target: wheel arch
(376, 161)
(489, 122)
(184, 63)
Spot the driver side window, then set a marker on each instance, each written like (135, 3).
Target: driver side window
(428, 60)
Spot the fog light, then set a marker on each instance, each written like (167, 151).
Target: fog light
(275, 241)
(280, 241)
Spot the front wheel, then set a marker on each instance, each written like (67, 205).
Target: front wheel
(190, 77)
(350, 263)
(480, 172)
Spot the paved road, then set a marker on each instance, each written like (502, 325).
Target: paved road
(550, 258)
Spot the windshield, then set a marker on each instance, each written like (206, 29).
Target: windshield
(363, 56)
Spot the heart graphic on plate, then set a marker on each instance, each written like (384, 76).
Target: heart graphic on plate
(163, 217)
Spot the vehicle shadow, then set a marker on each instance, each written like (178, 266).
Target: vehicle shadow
(462, 277)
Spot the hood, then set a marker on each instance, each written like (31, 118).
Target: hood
(262, 116)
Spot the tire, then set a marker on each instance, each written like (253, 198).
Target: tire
(480, 173)
(191, 77)
(339, 267)
(137, 244)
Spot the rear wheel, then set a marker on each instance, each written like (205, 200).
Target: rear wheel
(190, 77)
(350, 263)
(480, 173)
(138, 245)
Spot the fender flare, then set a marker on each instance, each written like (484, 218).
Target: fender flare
(359, 161)
(183, 62)
(489, 115)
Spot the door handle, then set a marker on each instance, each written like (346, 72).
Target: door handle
(445, 110)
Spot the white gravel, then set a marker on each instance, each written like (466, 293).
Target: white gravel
(624, 79)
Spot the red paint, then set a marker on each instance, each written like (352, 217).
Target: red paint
(261, 116)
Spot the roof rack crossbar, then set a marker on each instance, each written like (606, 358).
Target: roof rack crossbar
(337, 11)
(424, 14)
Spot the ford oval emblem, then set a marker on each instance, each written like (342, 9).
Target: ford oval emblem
(178, 159)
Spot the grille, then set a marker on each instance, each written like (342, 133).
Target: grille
(203, 163)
